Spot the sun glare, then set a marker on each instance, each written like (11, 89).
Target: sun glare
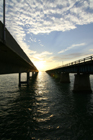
(40, 65)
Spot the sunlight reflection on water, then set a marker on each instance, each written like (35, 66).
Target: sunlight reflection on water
(45, 110)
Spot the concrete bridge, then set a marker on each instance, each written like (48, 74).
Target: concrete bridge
(12, 57)
(82, 69)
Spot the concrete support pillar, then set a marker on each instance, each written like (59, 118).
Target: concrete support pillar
(23, 82)
(19, 79)
(82, 84)
(36, 73)
(64, 78)
(27, 78)
(32, 73)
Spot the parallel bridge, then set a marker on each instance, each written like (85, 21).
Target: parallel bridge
(84, 65)
(83, 68)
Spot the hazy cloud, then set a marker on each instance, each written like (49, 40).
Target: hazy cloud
(74, 45)
(91, 50)
(43, 56)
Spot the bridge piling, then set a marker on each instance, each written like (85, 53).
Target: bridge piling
(64, 78)
(82, 84)
(23, 82)
(32, 74)
(19, 79)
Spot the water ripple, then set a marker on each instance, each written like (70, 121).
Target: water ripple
(47, 110)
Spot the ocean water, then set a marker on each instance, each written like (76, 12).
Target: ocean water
(46, 110)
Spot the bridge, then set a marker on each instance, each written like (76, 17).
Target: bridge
(12, 57)
(82, 69)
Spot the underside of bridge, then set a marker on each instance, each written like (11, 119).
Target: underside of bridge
(11, 62)
(12, 58)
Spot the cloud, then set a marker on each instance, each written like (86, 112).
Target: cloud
(91, 50)
(32, 39)
(74, 45)
(37, 16)
(59, 60)
(41, 56)
(45, 53)
(39, 41)
(26, 17)
(47, 16)
(70, 56)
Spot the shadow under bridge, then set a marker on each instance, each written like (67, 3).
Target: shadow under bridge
(12, 57)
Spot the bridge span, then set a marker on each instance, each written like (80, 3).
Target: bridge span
(82, 69)
(12, 57)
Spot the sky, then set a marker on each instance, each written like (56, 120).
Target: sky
(51, 32)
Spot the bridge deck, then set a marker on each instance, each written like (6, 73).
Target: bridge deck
(81, 66)
(12, 57)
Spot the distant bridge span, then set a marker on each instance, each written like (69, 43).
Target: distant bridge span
(84, 65)
(12, 57)
(83, 68)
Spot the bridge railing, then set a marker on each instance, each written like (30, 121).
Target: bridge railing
(90, 58)
(84, 60)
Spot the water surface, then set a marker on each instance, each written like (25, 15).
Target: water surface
(47, 110)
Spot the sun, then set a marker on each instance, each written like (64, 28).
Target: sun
(40, 65)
